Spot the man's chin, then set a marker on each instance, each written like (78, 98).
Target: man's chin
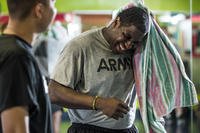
(117, 50)
(128, 51)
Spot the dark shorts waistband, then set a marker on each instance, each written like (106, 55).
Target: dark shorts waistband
(86, 128)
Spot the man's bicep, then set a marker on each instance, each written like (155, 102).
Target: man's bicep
(15, 120)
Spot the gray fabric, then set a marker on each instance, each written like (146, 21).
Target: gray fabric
(47, 54)
(88, 65)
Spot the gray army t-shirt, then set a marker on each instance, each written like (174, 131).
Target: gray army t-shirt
(88, 65)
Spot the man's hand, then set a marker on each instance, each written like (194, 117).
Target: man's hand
(112, 107)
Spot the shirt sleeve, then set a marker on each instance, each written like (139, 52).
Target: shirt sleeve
(69, 68)
(16, 88)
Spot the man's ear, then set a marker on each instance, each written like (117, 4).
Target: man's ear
(116, 23)
(39, 10)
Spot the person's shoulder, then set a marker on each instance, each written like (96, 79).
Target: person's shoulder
(85, 38)
(82, 42)
(11, 46)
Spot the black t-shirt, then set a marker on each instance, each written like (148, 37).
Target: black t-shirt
(21, 83)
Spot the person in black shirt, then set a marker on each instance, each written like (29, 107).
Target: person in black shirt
(24, 101)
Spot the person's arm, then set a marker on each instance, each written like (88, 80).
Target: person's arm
(15, 120)
(16, 94)
(70, 98)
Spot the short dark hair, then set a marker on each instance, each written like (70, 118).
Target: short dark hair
(20, 9)
(136, 16)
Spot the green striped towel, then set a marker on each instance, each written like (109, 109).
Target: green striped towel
(160, 78)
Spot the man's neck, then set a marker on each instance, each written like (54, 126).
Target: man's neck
(106, 34)
(22, 30)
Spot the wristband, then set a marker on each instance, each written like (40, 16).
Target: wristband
(94, 103)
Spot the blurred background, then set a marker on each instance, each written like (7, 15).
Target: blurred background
(179, 19)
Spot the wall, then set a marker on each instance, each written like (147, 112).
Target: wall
(162, 5)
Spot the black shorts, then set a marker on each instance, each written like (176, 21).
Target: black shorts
(85, 128)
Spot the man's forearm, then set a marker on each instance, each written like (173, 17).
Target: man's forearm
(68, 97)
